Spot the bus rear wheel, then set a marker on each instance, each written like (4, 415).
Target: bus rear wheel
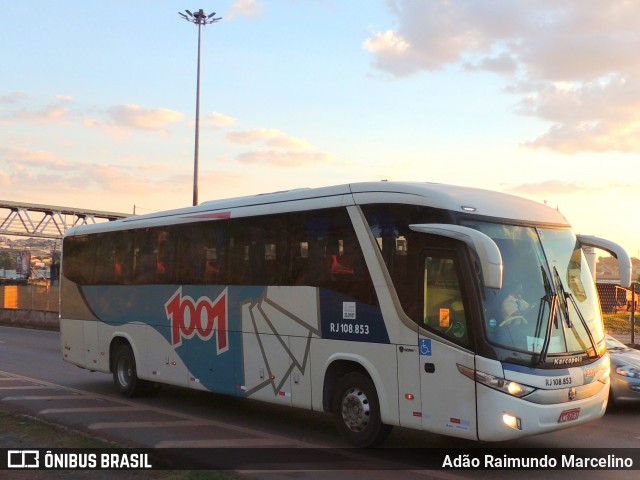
(357, 411)
(125, 374)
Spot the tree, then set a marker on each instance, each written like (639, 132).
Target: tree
(7, 260)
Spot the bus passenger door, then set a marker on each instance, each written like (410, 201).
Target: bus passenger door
(448, 397)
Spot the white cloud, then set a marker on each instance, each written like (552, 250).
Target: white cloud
(245, 8)
(388, 42)
(437, 33)
(569, 61)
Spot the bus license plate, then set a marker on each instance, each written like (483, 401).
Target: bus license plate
(569, 415)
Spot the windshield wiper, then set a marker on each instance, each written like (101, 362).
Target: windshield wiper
(563, 297)
(552, 298)
(565, 307)
(546, 298)
(547, 336)
(584, 324)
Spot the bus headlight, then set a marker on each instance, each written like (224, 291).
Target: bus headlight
(497, 383)
(512, 388)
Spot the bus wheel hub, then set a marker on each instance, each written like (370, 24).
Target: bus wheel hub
(355, 409)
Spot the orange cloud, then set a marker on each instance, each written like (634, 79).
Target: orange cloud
(281, 150)
(53, 113)
(551, 187)
(20, 157)
(127, 118)
(219, 120)
(137, 117)
(270, 136)
(283, 159)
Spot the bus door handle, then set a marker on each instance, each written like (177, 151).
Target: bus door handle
(429, 367)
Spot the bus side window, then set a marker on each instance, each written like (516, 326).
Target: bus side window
(79, 252)
(164, 257)
(144, 257)
(315, 226)
(103, 271)
(299, 263)
(275, 250)
(443, 307)
(256, 251)
(189, 253)
(115, 259)
(400, 247)
(335, 258)
(238, 254)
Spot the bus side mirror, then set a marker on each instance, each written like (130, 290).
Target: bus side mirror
(485, 248)
(624, 261)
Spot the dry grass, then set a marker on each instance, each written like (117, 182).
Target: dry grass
(619, 323)
(23, 432)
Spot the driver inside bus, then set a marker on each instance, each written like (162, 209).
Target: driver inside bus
(514, 307)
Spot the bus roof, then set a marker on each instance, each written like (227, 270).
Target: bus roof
(473, 201)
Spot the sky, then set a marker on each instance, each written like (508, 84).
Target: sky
(536, 98)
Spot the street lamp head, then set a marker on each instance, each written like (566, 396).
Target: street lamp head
(200, 17)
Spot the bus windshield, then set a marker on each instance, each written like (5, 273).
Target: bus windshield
(548, 303)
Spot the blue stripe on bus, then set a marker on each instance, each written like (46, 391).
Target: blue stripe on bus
(342, 318)
(216, 358)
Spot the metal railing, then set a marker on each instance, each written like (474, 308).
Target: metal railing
(46, 221)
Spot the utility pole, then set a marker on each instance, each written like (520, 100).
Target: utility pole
(199, 18)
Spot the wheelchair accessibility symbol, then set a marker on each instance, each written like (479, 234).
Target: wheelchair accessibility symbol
(425, 346)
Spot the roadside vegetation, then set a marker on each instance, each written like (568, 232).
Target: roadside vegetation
(620, 323)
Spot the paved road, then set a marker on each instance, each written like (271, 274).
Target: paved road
(34, 379)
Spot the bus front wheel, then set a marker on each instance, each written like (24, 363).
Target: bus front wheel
(125, 375)
(357, 411)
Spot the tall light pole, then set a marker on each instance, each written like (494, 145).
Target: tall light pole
(199, 18)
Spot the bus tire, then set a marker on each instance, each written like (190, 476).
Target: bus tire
(357, 411)
(125, 374)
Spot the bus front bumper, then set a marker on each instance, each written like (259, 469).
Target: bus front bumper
(504, 417)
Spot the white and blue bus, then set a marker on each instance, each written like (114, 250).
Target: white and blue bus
(453, 310)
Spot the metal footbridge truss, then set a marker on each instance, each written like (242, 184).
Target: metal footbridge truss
(46, 221)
